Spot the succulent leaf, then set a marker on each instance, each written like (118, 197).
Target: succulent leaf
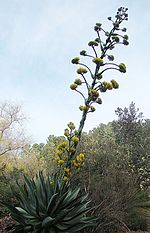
(50, 208)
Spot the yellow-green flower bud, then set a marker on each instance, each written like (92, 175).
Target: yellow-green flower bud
(81, 70)
(72, 150)
(75, 139)
(114, 84)
(61, 162)
(73, 86)
(82, 156)
(122, 68)
(62, 145)
(66, 132)
(81, 107)
(75, 163)
(78, 81)
(65, 157)
(94, 93)
(104, 87)
(59, 152)
(84, 108)
(76, 132)
(57, 159)
(66, 178)
(75, 60)
(78, 158)
(67, 170)
(98, 61)
(109, 86)
(71, 125)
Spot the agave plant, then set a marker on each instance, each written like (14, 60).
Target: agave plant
(49, 206)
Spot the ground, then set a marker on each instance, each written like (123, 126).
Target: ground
(7, 225)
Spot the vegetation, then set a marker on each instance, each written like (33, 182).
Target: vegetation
(114, 158)
(47, 205)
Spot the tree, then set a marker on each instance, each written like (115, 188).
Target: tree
(11, 133)
(12, 140)
(132, 132)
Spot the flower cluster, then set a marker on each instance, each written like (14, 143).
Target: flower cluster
(65, 151)
(109, 85)
(84, 108)
(93, 94)
(73, 86)
(122, 68)
(78, 162)
(81, 70)
(76, 83)
(104, 42)
(60, 153)
(114, 84)
(75, 60)
(98, 61)
(67, 174)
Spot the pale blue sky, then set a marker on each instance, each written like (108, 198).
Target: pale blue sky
(38, 38)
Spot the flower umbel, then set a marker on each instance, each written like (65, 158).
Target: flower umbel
(82, 70)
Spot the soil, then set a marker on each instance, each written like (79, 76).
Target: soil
(7, 225)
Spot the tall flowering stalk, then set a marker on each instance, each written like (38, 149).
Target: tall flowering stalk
(103, 59)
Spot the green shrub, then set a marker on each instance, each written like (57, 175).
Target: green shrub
(7, 184)
(137, 222)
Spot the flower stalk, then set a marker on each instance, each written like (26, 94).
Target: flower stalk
(101, 57)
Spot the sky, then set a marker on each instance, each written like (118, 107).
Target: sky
(38, 39)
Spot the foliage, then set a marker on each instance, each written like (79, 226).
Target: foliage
(108, 177)
(47, 205)
(32, 160)
(7, 183)
(136, 222)
(131, 132)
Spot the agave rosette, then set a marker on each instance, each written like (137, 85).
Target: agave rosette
(47, 205)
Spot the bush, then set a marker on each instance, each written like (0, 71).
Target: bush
(7, 184)
(137, 222)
